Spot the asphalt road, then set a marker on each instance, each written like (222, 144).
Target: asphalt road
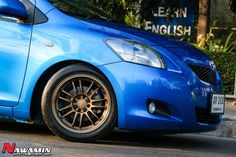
(118, 144)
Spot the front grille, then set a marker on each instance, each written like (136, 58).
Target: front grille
(204, 116)
(205, 74)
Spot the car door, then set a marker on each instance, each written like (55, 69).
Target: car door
(14, 49)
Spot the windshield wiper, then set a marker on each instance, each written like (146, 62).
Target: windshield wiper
(100, 18)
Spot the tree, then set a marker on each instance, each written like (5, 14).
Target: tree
(203, 21)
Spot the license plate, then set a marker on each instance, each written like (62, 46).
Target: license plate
(217, 104)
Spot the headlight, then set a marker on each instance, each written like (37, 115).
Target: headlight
(132, 51)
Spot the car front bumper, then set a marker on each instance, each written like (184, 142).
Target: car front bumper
(134, 85)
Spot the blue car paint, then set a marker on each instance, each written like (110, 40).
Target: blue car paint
(16, 8)
(181, 49)
(166, 86)
(14, 48)
(83, 40)
(44, 6)
(67, 47)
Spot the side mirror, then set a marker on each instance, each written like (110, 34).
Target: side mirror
(13, 8)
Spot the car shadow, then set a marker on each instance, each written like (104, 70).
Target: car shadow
(22, 128)
(145, 139)
(124, 138)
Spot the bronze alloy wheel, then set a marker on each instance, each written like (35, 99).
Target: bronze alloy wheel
(78, 104)
(81, 103)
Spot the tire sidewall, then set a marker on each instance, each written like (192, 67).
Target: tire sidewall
(52, 123)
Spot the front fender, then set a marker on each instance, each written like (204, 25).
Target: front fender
(53, 43)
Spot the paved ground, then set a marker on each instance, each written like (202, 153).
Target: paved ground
(227, 127)
(230, 109)
(123, 144)
(119, 144)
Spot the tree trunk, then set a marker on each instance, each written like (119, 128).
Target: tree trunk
(203, 21)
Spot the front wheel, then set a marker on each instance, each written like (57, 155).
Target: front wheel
(78, 104)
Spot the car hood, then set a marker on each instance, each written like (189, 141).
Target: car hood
(187, 52)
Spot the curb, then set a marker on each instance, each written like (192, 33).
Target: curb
(227, 128)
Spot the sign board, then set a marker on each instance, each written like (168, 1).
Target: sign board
(172, 20)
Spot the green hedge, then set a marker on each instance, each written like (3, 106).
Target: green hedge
(221, 48)
(225, 60)
(226, 64)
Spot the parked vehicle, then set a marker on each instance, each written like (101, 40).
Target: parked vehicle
(86, 74)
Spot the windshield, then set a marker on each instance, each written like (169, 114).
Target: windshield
(80, 9)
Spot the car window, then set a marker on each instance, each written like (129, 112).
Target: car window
(80, 9)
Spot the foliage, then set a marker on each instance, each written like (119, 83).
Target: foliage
(115, 8)
(226, 65)
(122, 11)
(223, 53)
(80, 8)
(134, 13)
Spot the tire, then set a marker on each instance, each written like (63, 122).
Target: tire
(78, 104)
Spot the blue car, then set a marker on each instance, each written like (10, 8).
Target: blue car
(70, 65)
